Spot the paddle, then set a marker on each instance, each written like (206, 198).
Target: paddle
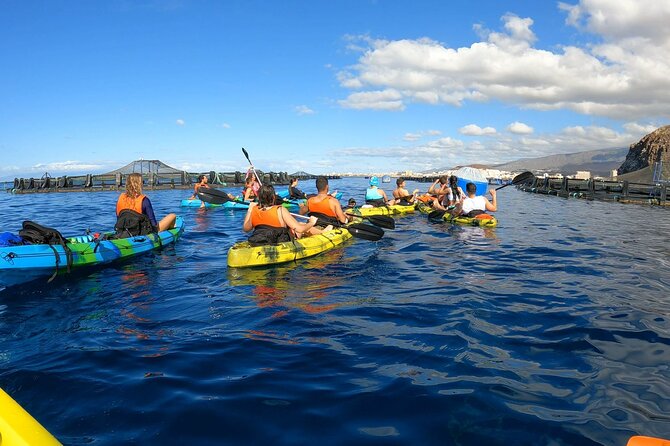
(382, 221)
(523, 177)
(246, 155)
(358, 230)
(215, 196)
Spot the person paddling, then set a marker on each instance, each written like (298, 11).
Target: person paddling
(251, 188)
(293, 192)
(474, 204)
(323, 205)
(135, 200)
(271, 223)
(374, 195)
(202, 183)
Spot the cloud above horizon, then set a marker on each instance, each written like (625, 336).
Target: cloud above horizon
(620, 75)
(502, 147)
(304, 110)
(475, 130)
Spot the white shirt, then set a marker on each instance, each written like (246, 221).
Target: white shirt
(471, 204)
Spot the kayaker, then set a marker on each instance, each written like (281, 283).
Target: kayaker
(271, 223)
(323, 205)
(293, 192)
(135, 200)
(374, 195)
(474, 204)
(202, 182)
(250, 190)
(402, 195)
(441, 193)
(457, 194)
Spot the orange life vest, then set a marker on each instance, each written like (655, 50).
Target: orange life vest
(321, 206)
(125, 202)
(268, 217)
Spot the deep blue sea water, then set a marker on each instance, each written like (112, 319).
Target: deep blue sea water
(552, 329)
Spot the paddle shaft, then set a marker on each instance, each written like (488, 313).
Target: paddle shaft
(246, 155)
(363, 231)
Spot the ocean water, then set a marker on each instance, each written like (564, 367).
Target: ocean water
(552, 329)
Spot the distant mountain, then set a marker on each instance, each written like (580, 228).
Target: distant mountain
(598, 162)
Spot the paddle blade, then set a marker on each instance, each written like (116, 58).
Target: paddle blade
(213, 196)
(436, 215)
(366, 232)
(246, 155)
(523, 177)
(383, 221)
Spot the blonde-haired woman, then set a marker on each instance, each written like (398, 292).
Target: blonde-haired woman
(134, 199)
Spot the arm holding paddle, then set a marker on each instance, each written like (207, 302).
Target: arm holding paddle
(301, 228)
(492, 206)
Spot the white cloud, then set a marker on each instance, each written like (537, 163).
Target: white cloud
(412, 136)
(378, 100)
(475, 130)
(304, 110)
(519, 128)
(180, 122)
(418, 136)
(495, 149)
(622, 76)
(639, 129)
(67, 166)
(225, 125)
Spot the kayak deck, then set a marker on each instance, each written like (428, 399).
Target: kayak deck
(242, 254)
(23, 263)
(396, 209)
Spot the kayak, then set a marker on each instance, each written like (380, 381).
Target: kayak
(242, 254)
(195, 203)
(423, 207)
(284, 194)
(482, 220)
(396, 209)
(18, 427)
(291, 205)
(23, 263)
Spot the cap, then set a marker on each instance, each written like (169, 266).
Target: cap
(374, 181)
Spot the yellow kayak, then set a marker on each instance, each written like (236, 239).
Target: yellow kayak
(242, 254)
(481, 220)
(396, 209)
(18, 428)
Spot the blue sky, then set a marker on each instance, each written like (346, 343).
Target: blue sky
(324, 86)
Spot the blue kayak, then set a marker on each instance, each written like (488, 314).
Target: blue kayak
(284, 194)
(24, 263)
(195, 203)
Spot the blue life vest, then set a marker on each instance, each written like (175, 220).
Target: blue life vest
(373, 194)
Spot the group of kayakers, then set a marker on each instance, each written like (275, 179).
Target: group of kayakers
(444, 195)
(272, 222)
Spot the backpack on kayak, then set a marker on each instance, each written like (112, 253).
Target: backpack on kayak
(130, 223)
(36, 234)
(269, 235)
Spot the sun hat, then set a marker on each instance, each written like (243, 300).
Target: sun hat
(374, 181)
